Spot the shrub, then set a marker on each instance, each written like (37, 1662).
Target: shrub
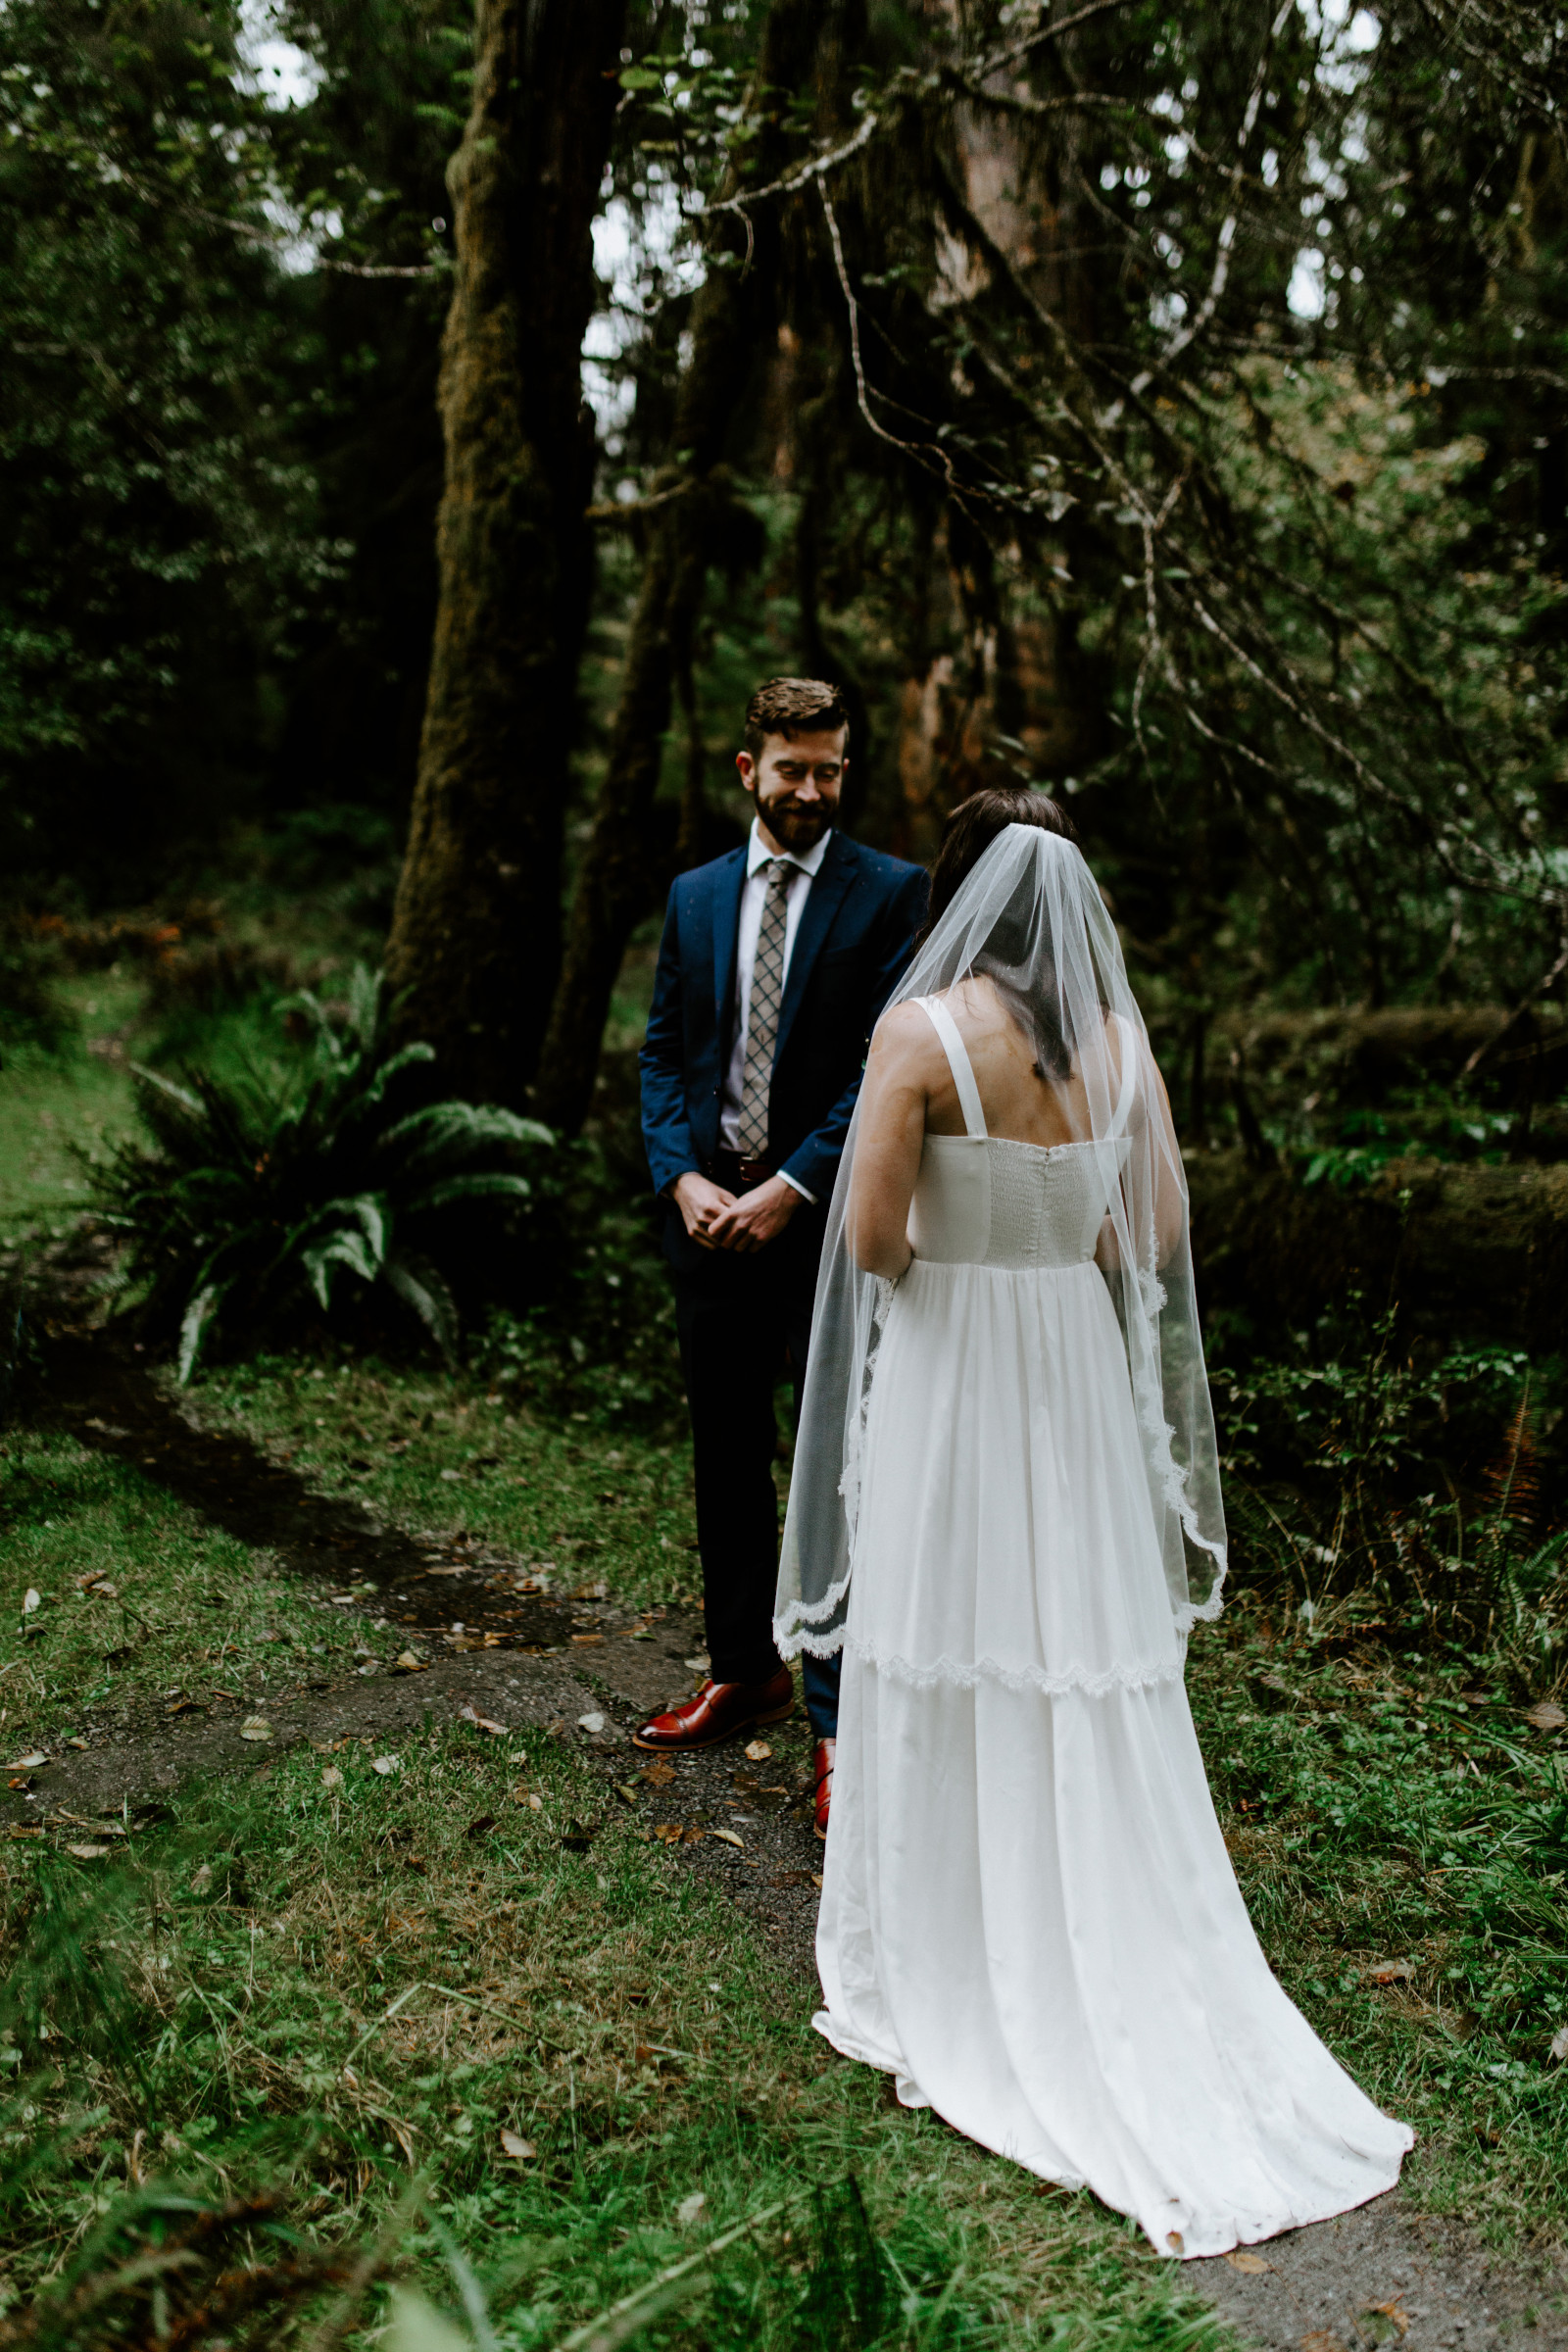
(602, 1344)
(260, 1194)
(30, 1012)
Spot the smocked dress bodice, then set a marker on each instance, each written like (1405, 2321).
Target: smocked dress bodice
(988, 1200)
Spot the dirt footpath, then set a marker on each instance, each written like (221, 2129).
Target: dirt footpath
(1386, 2274)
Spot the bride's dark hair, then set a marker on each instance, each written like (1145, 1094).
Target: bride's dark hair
(970, 830)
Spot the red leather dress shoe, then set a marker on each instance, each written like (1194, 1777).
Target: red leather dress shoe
(826, 1751)
(718, 1712)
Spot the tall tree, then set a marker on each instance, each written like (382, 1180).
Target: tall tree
(475, 938)
(733, 329)
(158, 524)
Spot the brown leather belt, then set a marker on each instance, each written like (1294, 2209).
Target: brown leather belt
(739, 1175)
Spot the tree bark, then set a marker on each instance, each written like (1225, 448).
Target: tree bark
(475, 948)
(732, 326)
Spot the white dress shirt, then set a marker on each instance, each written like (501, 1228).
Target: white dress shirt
(805, 863)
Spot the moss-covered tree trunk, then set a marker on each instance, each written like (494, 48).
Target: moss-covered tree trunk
(733, 326)
(475, 938)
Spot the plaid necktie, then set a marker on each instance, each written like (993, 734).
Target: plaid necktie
(762, 1029)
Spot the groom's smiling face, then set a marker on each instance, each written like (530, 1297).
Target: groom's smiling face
(795, 782)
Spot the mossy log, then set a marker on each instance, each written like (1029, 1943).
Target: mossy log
(1464, 1253)
(1360, 1055)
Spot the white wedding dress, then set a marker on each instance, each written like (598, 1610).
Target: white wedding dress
(1028, 1915)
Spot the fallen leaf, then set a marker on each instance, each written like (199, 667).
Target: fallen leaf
(1251, 2265)
(660, 1775)
(32, 1600)
(668, 1832)
(1174, 2240)
(816, 1880)
(1547, 1716)
(692, 1837)
(690, 2209)
(256, 1727)
(587, 1638)
(513, 2145)
(202, 1879)
(27, 1763)
(728, 1835)
(1392, 1971)
(1392, 2310)
(484, 1723)
(451, 1476)
(332, 1778)
(76, 1743)
(758, 1750)
(182, 1706)
(407, 1663)
(591, 1722)
(1559, 2044)
(644, 2053)
(384, 1765)
(88, 1854)
(699, 1665)
(626, 1795)
(26, 1829)
(1320, 2340)
(107, 1428)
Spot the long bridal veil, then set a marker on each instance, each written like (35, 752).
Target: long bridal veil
(1029, 919)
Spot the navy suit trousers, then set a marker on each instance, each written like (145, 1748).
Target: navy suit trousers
(743, 1321)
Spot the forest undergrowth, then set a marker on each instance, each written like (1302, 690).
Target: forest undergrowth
(379, 2020)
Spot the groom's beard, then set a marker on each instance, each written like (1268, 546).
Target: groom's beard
(795, 824)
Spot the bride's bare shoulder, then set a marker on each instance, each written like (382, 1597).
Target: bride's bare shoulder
(905, 1036)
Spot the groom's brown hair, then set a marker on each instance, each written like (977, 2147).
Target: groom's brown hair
(789, 706)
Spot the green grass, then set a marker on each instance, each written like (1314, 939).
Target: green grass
(138, 1598)
(611, 2013)
(443, 1456)
(53, 1103)
(1399, 1816)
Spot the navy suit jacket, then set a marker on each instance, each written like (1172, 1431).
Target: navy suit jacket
(852, 942)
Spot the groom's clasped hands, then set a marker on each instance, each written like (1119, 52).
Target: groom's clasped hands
(715, 1219)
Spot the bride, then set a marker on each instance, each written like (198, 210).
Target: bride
(1005, 1511)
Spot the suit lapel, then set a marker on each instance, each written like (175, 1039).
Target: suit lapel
(823, 901)
(729, 881)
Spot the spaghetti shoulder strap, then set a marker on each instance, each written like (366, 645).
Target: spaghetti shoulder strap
(1127, 1040)
(953, 1044)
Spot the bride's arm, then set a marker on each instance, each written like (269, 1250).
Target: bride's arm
(890, 1139)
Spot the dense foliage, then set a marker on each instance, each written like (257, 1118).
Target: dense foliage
(1167, 404)
(217, 448)
(255, 1198)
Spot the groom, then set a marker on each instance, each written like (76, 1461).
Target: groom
(775, 963)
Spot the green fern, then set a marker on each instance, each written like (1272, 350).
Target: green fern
(252, 1198)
